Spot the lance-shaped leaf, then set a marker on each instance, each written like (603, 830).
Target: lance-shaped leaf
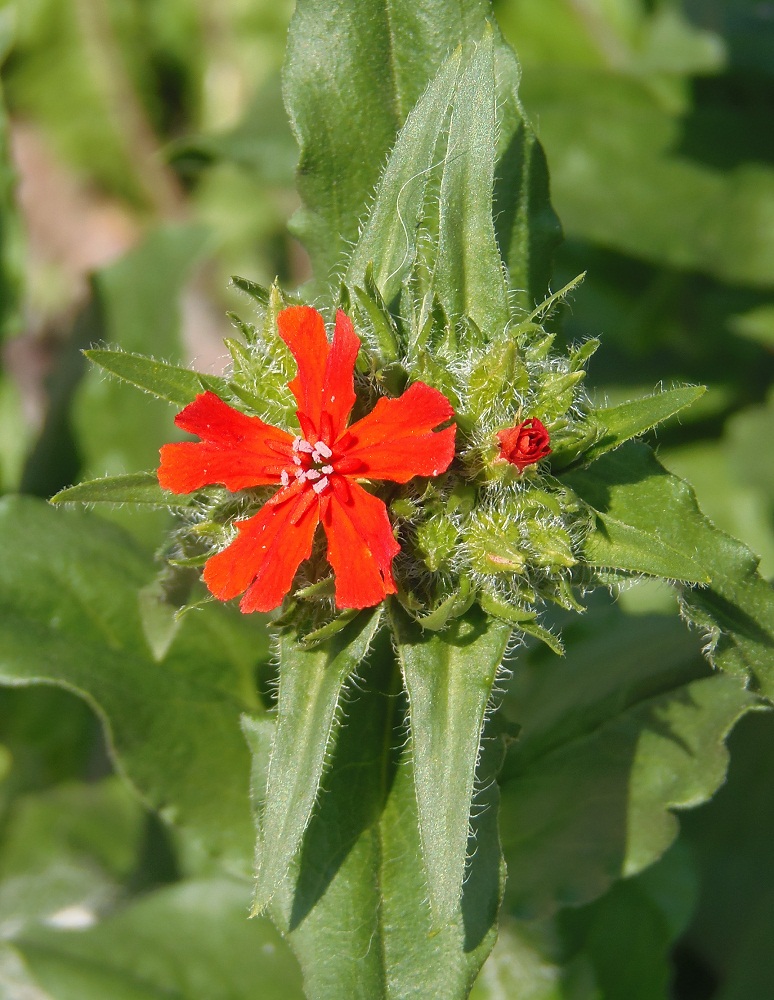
(617, 424)
(389, 239)
(353, 73)
(449, 680)
(650, 523)
(170, 382)
(136, 488)
(468, 271)
(309, 709)
(354, 905)
(69, 585)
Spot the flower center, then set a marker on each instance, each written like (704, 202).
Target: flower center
(311, 463)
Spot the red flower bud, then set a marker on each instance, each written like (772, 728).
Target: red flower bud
(524, 444)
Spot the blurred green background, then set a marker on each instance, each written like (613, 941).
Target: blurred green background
(145, 156)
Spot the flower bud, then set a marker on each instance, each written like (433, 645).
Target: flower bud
(524, 444)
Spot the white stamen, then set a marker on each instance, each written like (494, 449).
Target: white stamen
(296, 442)
(327, 469)
(316, 456)
(322, 449)
(305, 447)
(285, 478)
(300, 475)
(320, 485)
(296, 460)
(312, 474)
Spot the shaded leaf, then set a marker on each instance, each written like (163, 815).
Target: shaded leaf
(614, 737)
(69, 587)
(188, 941)
(647, 509)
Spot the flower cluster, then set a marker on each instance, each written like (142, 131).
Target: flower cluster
(318, 471)
(438, 492)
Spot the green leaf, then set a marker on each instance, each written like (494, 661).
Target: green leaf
(468, 271)
(139, 488)
(186, 942)
(388, 242)
(69, 587)
(170, 382)
(652, 524)
(619, 178)
(354, 906)
(528, 230)
(449, 679)
(618, 424)
(626, 728)
(354, 72)
(311, 687)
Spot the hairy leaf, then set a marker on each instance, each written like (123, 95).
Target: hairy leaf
(136, 488)
(170, 382)
(311, 689)
(618, 424)
(449, 679)
(654, 517)
(355, 905)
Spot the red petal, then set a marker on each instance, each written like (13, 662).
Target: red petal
(338, 390)
(361, 545)
(266, 553)
(236, 450)
(396, 440)
(303, 330)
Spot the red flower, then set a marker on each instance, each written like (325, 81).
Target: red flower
(317, 471)
(524, 444)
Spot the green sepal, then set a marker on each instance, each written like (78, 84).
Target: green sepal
(454, 606)
(523, 621)
(170, 382)
(501, 371)
(258, 293)
(327, 631)
(136, 488)
(380, 329)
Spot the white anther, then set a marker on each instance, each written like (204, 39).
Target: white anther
(312, 474)
(305, 447)
(285, 478)
(296, 442)
(301, 475)
(320, 485)
(322, 449)
(327, 469)
(296, 460)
